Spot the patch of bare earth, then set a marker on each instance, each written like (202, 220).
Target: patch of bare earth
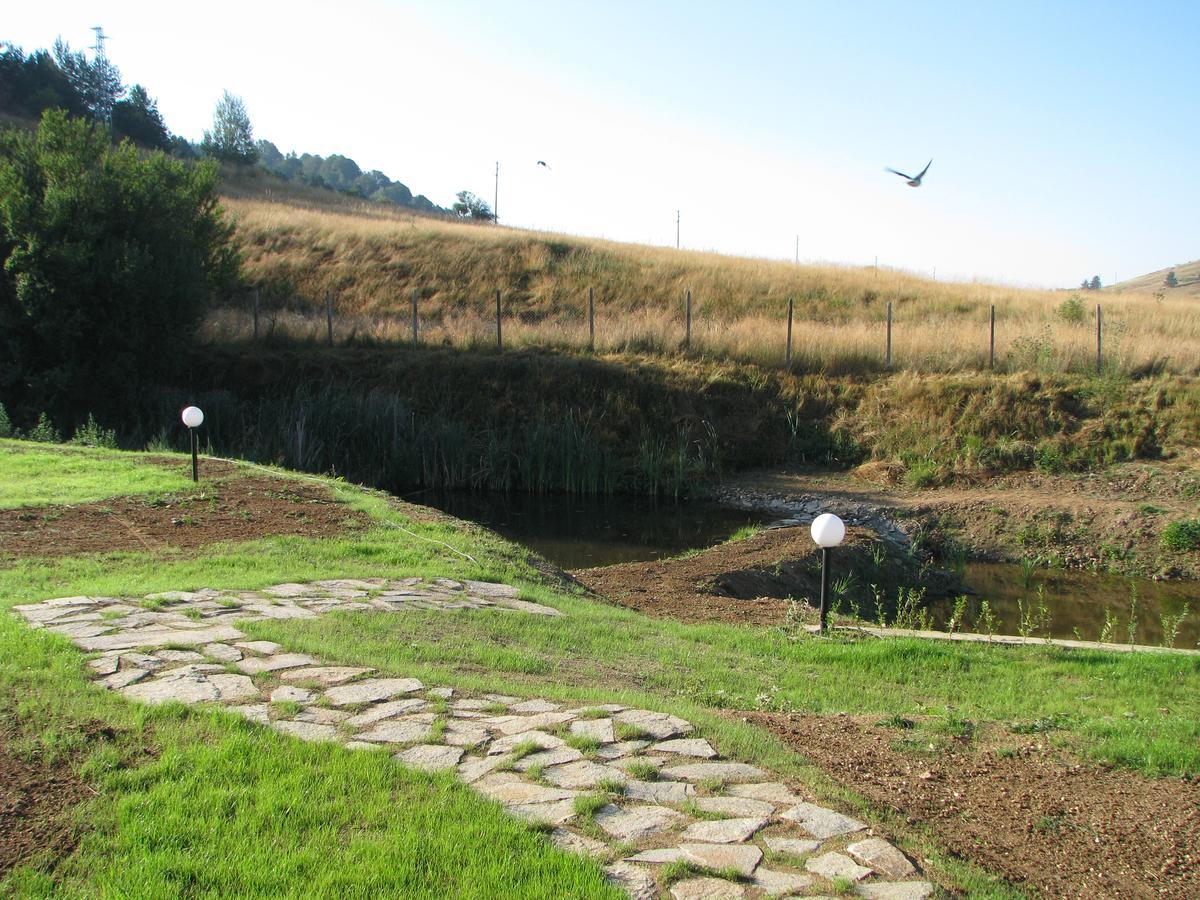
(1030, 815)
(35, 804)
(228, 506)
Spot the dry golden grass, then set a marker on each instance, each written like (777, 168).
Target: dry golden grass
(298, 246)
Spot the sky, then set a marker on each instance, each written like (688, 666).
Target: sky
(1064, 136)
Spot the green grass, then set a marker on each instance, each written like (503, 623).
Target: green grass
(40, 474)
(1136, 710)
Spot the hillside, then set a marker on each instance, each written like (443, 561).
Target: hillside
(1188, 275)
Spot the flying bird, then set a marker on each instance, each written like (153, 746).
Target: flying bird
(543, 165)
(912, 182)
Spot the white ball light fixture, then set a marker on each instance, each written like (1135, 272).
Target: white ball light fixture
(193, 417)
(828, 530)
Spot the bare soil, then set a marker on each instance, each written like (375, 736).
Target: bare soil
(1029, 814)
(36, 800)
(229, 505)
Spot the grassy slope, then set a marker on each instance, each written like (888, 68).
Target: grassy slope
(75, 476)
(1188, 275)
(188, 815)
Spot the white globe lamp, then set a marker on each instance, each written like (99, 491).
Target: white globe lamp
(193, 418)
(827, 532)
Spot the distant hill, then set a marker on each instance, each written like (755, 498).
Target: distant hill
(1187, 275)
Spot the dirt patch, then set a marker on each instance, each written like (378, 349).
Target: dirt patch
(749, 582)
(35, 804)
(227, 506)
(1028, 814)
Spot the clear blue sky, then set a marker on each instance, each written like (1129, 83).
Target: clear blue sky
(1064, 136)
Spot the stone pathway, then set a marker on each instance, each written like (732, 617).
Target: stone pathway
(636, 789)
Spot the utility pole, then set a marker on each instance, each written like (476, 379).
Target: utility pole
(797, 249)
(676, 229)
(496, 197)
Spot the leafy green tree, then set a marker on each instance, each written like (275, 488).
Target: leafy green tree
(109, 259)
(1172, 280)
(471, 207)
(231, 138)
(31, 84)
(1094, 284)
(137, 118)
(96, 81)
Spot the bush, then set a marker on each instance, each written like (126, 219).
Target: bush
(6, 429)
(44, 431)
(1071, 310)
(1182, 535)
(92, 435)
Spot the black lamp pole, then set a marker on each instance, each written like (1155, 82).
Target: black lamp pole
(824, 587)
(196, 464)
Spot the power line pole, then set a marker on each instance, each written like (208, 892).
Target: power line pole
(496, 197)
(797, 249)
(676, 229)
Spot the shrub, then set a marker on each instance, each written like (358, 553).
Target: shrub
(1071, 310)
(44, 431)
(90, 434)
(6, 429)
(1182, 535)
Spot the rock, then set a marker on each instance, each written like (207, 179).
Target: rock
(194, 689)
(179, 656)
(578, 843)
(706, 889)
(475, 768)
(659, 791)
(635, 882)
(105, 665)
(464, 734)
(254, 665)
(233, 688)
(836, 865)
(306, 731)
(398, 731)
(519, 724)
(322, 716)
(326, 675)
(723, 771)
(548, 758)
(158, 637)
(287, 694)
(582, 774)
(287, 590)
(222, 653)
(900, 890)
(686, 747)
(724, 831)
(657, 725)
(371, 690)
(430, 757)
(383, 711)
(741, 857)
(490, 590)
(554, 813)
(820, 822)
(535, 706)
(771, 791)
(540, 738)
(792, 846)
(442, 693)
(881, 856)
(738, 807)
(256, 713)
(510, 789)
(657, 857)
(527, 607)
(361, 745)
(623, 749)
(635, 822)
(264, 648)
(780, 884)
(599, 729)
(123, 678)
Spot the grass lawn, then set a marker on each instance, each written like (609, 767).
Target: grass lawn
(192, 801)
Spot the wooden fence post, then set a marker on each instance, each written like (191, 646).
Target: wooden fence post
(591, 320)
(687, 341)
(888, 357)
(414, 315)
(256, 314)
(1099, 355)
(499, 333)
(992, 341)
(787, 359)
(329, 315)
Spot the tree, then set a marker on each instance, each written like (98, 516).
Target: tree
(137, 118)
(31, 84)
(231, 138)
(1171, 280)
(1094, 284)
(97, 82)
(109, 257)
(471, 207)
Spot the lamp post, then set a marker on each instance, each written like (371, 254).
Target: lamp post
(193, 418)
(827, 532)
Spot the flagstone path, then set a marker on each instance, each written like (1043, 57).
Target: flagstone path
(634, 788)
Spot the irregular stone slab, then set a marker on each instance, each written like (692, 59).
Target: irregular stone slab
(195, 689)
(736, 806)
(75, 630)
(383, 711)
(371, 690)
(222, 653)
(321, 715)
(687, 747)
(441, 693)
(635, 822)
(287, 590)
(535, 706)
(512, 789)
(657, 857)
(741, 857)
(157, 637)
(256, 713)
(657, 725)
(233, 688)
(707, 889)
(490, 589)
(362, 745)
(519, 724)
(142, 661)
(582, 774)
(474, 768)
(578, 843)
(266, 648)
(723, 771)
(282, 611)
(636, 883)
(470, 704)
(124, 678)
(179, 656)
(821, 822)
(327, 675)
(254, 665)
(598, 729)
(430, 757)
(793, 846)
(288, 694)
(525, 606)
(105, 665)
(780, 884)
(622, 750)
(724, 831)
(659, 791)
(548, 758)
(878, 854)
(555, 813)
(398, 731)
(306, 731)
(900, 890)
(771, 791)
(836, 865)
(540, 738)
(464, 734)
